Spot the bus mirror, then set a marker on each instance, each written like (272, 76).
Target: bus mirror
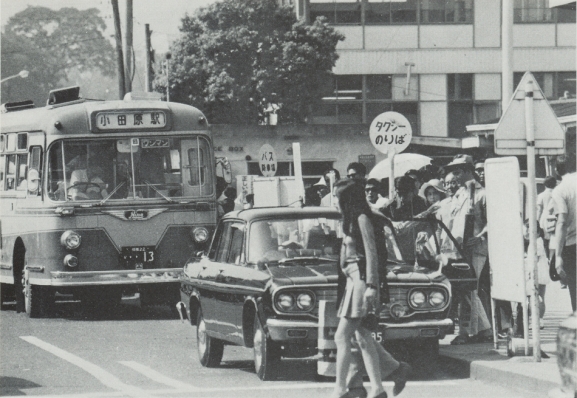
(33, 181)
(223, 167)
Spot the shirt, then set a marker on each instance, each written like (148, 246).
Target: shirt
(564, 202)
(543, 207)
(406, 210)
(460, 208)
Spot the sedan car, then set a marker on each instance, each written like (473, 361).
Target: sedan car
(267, 269)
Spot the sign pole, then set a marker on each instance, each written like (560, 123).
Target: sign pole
(391, 158)
(532, 198)
(298, 170)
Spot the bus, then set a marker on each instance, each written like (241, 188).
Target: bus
(98, 198)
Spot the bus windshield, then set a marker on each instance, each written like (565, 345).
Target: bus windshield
(136, 168)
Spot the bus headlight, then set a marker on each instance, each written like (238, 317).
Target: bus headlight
(417, 298)
(200, 234)
(71, 261)
(70, 240)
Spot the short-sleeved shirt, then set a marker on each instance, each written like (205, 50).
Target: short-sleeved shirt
(459, 210)
(564, 202)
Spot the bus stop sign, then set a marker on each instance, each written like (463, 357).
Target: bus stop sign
(510, 134)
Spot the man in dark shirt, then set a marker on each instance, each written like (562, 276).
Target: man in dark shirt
(406, 204)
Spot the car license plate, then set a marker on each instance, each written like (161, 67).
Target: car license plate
(138, 257)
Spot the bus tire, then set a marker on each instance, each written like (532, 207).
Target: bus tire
(210, 350)
(38, 300)
(266, 353)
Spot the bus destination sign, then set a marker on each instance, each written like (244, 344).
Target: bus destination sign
(130, 120)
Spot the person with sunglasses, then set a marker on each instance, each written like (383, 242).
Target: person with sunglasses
(374, 194)
(356, 171)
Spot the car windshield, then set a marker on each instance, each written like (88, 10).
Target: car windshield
(416, 243)
(279, 240)
(136, 168)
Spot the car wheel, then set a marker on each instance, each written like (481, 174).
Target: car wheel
(38, 300)
(209, 349)
(266, 353)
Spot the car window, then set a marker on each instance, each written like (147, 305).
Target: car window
(224, 244)
(236, 239)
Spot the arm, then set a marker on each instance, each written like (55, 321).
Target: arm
(559, 243)
(368, 236)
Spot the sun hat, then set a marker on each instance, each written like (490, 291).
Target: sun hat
(437, 184)
(460, 161)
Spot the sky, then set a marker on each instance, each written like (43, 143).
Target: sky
(163, 16)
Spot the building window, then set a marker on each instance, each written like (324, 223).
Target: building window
(565, 15)
(555, 85)
(336, 11)
(460, 106)
(386, 12)
(447, 11)
(532, 11)
(460, 86)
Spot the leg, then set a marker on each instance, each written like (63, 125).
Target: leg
(542, 290)
(356, 372)
(369, 350)
(569, 260)
(345, 331)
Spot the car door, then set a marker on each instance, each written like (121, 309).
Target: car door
(207, 280)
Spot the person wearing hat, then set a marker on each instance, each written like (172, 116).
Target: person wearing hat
(407, 204)
(480, 170)
(433, 192)
(478, 329)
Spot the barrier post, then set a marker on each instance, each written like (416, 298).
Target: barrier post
(328, 322)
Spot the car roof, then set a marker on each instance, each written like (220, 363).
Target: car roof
(282, 212)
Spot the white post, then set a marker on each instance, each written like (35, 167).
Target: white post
(391, 158)
(167, 81)
(506, 54)
(532, 201)
(298, 170)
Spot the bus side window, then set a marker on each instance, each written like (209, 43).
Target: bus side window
(22, 172)
(35, 162)
(2, 172)
(11, 172)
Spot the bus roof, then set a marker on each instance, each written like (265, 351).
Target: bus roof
(74, 118)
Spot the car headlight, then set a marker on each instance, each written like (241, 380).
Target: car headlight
(70, 240)
(285, 301)
(200, 234)
(418, 298)
(304, 301)
(436, 299)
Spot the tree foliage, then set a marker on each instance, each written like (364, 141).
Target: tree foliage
(51, 44)
(234, 54)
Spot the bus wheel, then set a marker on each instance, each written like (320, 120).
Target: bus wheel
(38, 300)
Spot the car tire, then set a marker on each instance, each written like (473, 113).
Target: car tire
(266, 353)
(210, 350)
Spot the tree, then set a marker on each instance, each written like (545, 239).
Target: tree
(51, 45)
(236, 54)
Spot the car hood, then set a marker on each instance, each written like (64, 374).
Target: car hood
(296, 274)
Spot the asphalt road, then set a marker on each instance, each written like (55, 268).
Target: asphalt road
(148, 352)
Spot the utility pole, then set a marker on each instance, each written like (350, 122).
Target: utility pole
(128, 49)
(119, 58)
(148, 74)
(168, 56)
(506, 54)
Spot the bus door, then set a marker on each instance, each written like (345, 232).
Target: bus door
(196, 168)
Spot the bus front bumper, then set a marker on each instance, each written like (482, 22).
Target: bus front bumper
(106, 278)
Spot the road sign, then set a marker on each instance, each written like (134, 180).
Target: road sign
(510, 134)
(390, 130)
(267, 160)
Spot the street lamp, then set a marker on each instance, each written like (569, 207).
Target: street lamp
(23, 74)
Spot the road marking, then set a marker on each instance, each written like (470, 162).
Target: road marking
(100, 374)
(157, 377)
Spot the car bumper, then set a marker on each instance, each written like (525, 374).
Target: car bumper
(284, 329)
(436, 328)
(106, 278)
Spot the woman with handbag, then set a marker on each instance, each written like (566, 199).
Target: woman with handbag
(359, 290)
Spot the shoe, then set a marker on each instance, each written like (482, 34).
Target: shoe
(482, 338)
(502, 335)
(357, 392)
(461, 339)
(401, 375)
(563, 286)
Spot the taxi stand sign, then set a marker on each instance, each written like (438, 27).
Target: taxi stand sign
(390, 133)
(530, 127)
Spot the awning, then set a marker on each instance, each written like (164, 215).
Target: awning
(568, 4)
